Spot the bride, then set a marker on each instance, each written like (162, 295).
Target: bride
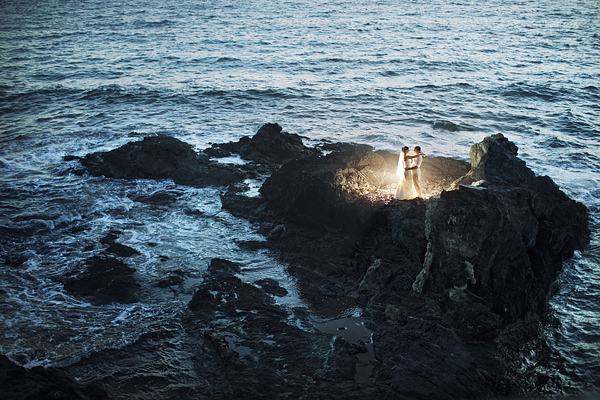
(405, 189)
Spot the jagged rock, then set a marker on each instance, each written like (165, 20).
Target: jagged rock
(495, 160)
(161, 157)
(38, 383)
(503, 242)
(439, 280)
(270, 145)
(104, 280)
(324, 193)
(246, 340)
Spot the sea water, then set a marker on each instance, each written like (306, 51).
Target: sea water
(83, 76)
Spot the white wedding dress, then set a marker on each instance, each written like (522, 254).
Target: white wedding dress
(405, 189)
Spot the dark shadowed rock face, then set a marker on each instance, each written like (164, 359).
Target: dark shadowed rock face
(323, 192)
(500, 244)
(490, 246)
(104, 280)
(488, 255)
(18, 383)
(270, 145)
(160, 157)
(443, 276)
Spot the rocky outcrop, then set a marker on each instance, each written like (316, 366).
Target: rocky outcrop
(104, 280)
(499, 244)
(500, 247)
(270, 145)
(494, 160)
(164, 157)
(18, 383)
(443, 276)
(322, 192)
(443, 283)
(160, 157)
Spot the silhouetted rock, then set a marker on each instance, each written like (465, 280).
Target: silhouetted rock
(104, 280)
(161, 157)
(270, 145)
(18, 383)
(444, 276)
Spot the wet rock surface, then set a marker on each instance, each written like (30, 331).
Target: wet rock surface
(18, 383)
(249, 342)
(160, 157)
(443, 283)
(104, 279)
(270, 145)
(441, 280)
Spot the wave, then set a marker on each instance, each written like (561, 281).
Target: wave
(523, 90)
(445, 87)
(153, 24)
(437, 65)
(227, 59)
(54, 96)
(253, 94)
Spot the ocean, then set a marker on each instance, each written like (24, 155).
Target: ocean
(83, 76)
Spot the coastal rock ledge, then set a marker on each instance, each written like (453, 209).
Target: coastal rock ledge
(454, 287)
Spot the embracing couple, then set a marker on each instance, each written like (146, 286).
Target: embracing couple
(409, 171)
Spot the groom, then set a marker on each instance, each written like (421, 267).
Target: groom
(416, 170)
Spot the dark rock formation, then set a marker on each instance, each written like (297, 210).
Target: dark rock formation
(322, 192)
(502, 243)
(270, 145)
(439, 280)
(160, 157)
(104, 280)
(18, 383)
(245, 340)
